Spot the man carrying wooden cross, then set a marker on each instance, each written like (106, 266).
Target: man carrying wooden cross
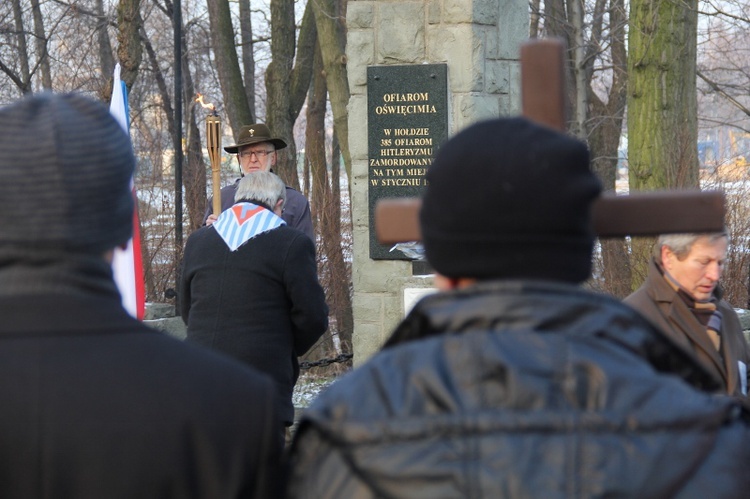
(513, 381)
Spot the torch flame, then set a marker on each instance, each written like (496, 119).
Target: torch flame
(199, 99)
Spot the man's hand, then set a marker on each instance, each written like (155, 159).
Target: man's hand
(211, 219)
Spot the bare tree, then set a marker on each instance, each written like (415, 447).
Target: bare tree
(596, 77)
(287, 79)
(330, 16)
(605, 120)
(248, 57)
(334, 272)
(129, 49)
(22, 79)
(227, 63)
(40, 39)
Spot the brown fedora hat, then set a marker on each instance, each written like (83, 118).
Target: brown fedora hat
(253, 134)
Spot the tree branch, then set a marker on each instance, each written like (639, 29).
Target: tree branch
(13, 76)
(716, 88)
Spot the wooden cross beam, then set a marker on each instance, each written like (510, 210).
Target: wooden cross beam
(637, 214)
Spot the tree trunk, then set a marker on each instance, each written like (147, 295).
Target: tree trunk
(662, 103)
(41, 45)
(106, 60)
(330, 18)
(129, 48)
(23, 50)
(331, 29)
(248, 57)
(534, 18)
(341, 271)
(333, 267)
(604, 138)
(194, 174)
(307, 45)
(579, 126)
(236, 104)
(315, 139)
(105, 53)
(165, 99)
(557, 24)
(279, 85)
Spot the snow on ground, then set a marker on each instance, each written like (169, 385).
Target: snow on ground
(308, 387)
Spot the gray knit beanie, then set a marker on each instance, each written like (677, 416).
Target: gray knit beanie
(508, 198)
(65, 171)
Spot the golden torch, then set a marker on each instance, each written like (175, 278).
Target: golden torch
(213, 144)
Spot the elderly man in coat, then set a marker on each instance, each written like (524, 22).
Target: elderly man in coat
(681, 296)
(250, 289)
(94, 403)
(514, 381)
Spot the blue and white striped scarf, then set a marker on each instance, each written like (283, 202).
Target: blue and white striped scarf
(244, 221)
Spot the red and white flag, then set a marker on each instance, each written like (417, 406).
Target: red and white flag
(127, 265)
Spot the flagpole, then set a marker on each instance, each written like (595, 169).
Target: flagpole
(177, 20)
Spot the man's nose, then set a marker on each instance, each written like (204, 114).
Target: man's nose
(714, 271)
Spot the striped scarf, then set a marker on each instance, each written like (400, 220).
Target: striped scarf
(244, 221)
(706, 312)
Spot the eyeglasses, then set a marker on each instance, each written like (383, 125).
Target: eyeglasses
(259, 155)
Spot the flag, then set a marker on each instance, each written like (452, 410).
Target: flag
(127, 265)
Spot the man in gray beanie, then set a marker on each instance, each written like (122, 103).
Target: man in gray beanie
(95, 404)
(513, 381)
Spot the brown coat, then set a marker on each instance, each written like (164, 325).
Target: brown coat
(658, 302)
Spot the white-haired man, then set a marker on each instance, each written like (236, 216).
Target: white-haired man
(681, 296)
(250, 288)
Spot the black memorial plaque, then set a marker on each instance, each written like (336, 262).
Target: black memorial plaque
(407, 121)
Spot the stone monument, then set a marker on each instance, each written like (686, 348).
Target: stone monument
(419, 71)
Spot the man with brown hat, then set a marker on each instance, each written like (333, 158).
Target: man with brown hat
(513, 381)
(256, 151)
(94, 403)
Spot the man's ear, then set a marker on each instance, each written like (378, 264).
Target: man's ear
(666, 257)
(279, 208)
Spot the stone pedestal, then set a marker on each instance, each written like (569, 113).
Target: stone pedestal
(479, 40)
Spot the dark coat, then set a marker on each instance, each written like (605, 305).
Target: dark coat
(296, 209)
(96, 405)
(523, 389)
(659, 303)
(261, 304)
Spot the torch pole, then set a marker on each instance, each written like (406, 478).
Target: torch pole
(213, 144)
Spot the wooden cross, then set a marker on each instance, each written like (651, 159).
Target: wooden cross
(637, 214)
